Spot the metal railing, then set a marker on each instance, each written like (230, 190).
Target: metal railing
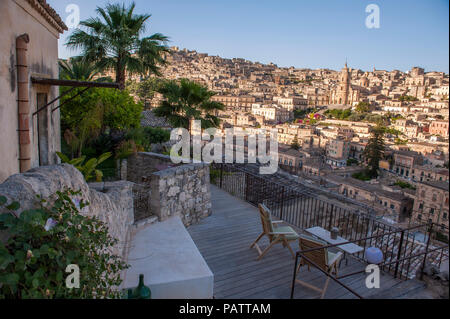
(303, 254)
(404, 250)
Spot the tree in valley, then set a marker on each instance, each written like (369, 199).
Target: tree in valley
(295, 145)
(374, 150)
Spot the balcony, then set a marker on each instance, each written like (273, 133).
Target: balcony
(225, 237)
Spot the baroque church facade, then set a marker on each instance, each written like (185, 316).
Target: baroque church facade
(345, 93)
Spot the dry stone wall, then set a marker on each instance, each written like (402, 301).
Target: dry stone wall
(182, 191)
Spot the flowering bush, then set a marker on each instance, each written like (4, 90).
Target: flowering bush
(43, 242)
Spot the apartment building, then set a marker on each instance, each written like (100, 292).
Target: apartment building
(337, 152)
(431, 204)
(272, 113)
(291, 103)
(404, 161)
(429, 173)
(439, 128)
(235, 102)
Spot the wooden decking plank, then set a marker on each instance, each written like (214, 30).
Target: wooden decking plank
(224, 240)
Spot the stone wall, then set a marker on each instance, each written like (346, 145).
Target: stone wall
(112, 204)
(141, 165)
(181, 191)
(173, 189)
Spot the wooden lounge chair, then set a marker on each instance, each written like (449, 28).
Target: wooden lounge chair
(275, 232)
(323, 258)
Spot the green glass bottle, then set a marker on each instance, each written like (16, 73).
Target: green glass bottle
(141, 291)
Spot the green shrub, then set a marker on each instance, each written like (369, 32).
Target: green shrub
(404, 185)
(43, 242)
(351, 161)
(362, 176)
(88, 169)
(146, 136)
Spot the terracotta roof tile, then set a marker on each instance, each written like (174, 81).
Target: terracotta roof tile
(49, 14)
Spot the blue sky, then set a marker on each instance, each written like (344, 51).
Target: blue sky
(300, 33)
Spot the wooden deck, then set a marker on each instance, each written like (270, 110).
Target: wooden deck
(224, 240)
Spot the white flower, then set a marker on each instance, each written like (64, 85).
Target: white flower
(76, 202)
(50, 224)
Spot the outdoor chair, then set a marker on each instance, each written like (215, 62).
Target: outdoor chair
(323, 258)
(276, 233)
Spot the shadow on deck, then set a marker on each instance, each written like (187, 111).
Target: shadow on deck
(224, 239)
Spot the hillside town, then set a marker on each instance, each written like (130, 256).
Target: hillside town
(98, 200)
(324, 120)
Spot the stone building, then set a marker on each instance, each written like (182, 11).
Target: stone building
(289, 157)
(272, 113)
(345, 93)
(404, 161)
(292, 103)
(439, 128)
(429, 173)
(431, 204)
(243, 103)
(28, 48)
(384, 201)
(338, 151)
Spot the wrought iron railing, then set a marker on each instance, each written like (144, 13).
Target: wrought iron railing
(338, 279)
(405, 250)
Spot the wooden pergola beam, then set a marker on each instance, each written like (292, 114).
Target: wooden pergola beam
(58, 82)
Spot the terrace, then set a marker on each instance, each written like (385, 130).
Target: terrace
(225, 237)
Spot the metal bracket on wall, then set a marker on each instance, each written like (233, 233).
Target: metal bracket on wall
(53, 101)
(78, 94)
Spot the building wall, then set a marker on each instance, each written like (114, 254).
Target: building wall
(431, 203)
(16, 18)
(337, 152)
(439, 128)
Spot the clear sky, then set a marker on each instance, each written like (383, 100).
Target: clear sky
(300, 33)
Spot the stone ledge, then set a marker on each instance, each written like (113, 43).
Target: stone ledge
(172, 265)
(180, 169)
(139, 225)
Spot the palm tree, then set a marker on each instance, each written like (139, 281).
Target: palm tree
(113, 41)
(185, 101)
(78, 69)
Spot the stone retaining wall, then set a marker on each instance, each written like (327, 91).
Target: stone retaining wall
(141, 165)
(112, 203)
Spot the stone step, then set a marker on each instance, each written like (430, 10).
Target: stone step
(139, 225)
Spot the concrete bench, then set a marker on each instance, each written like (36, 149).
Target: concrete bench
(173, 267)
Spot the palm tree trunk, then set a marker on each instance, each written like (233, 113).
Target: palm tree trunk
(190, 125)
(120, 76)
